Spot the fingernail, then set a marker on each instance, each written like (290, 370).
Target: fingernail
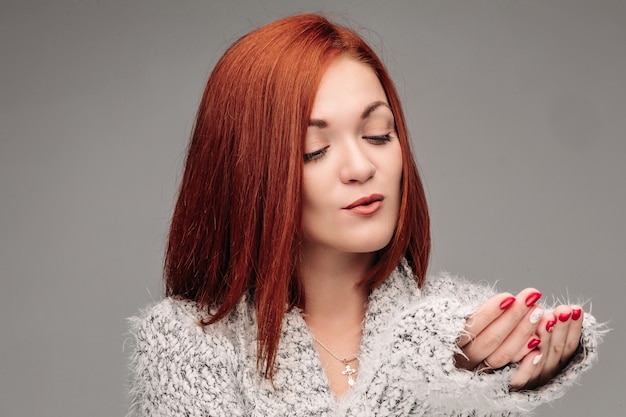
(506, 303)
(550, 325)
(534, 343)
(532, 298)
(535, 316)
(564, 316)
(537, 359)
(576, 313)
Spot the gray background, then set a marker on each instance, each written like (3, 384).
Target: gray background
(517, 111)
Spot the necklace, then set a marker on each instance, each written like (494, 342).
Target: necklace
(348, 371)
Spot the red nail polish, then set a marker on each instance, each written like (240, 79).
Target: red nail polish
(564, 316)
(533, 343)
(550, 325)
(506, 303)
(576, 313)
(532, 298)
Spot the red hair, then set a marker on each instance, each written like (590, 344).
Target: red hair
(236, 227)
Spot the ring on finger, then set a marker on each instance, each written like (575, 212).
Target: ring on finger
(484, 366)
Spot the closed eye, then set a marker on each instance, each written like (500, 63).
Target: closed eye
(315, 155)
(378, 139)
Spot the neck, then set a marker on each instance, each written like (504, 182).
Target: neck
(334, 296)
(334, 309)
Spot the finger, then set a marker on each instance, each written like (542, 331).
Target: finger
(523, 375)
(544, 331)
(573, 336)
(554, 360)
(539, 339)
(520, 341)
(532, 343)
(487, 313)
(488, 340)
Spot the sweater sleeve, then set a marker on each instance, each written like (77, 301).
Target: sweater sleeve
(430, 329)
(177, 369)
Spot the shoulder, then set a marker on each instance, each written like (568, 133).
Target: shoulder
(174, 326)
(168, 317)
(179, 367)
(168, 311)
(399, 292)
(444, 284)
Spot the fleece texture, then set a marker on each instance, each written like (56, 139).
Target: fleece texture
(406, 366)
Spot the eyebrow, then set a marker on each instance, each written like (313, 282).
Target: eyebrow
(319, 123)
(369, 109)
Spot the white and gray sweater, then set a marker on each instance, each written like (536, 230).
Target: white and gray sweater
(406, 365)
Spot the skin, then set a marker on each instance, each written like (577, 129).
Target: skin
(502, 336)
(342, 164)
(349, 156)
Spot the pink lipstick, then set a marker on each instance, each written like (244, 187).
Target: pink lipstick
(366, 206)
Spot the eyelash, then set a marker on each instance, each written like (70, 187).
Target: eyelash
(378, 139)
(375, 140)
(315, 155)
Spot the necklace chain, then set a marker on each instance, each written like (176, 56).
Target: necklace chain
(348, 371)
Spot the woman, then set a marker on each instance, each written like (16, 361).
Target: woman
(297, 258)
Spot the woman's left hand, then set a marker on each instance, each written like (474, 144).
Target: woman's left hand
(542, 343)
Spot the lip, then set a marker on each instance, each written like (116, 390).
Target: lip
(366, 205)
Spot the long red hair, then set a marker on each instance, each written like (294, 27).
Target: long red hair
(236, 227)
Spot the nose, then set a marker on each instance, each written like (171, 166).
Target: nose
(356, 167)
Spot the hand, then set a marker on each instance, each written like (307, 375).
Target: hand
(509, 329)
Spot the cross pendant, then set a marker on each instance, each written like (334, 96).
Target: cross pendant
(349, 371)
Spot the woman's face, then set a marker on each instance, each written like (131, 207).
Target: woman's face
(352, 163)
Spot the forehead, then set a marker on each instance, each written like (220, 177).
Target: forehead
(346, 84)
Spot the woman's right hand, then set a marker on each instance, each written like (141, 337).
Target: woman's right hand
(508, 329)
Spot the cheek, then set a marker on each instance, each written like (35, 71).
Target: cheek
(308, 193)
(396, 174)
(318, 179)
(312, 198)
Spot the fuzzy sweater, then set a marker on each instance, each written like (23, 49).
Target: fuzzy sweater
(406, 365)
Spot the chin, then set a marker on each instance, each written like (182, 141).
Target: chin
(360, 240)
(369, 245)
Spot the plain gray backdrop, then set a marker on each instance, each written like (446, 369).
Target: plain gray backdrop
(517, 111)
